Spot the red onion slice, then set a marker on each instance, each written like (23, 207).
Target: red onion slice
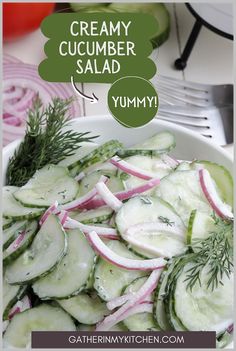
(7, 58)
(83, 200)
(126, 263)
(17, 242)
(63, 215)
(221, 209)
(108, 197)
(104, 232)
(170, 160)
(120, 300)
(50, 210)
(20, 306)
(140, 295)
(141, 308)
(130, 169)
(126, 194)
(23, 79)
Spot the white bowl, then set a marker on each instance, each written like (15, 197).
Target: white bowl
(189, 145)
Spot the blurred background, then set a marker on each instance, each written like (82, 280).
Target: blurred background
(210, 61)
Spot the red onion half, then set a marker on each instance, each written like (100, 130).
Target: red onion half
(21, 84)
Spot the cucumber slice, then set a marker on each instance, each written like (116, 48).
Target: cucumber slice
(159, 305)
(85, 308)
(153, 165)
(97, 215)
(6, 223)
(11, 294)
(134, 286)
(109, 280)
(140, 321)
(165, 302)
(103, 167)
(11, 233)
(184, 166)
(15, 210)
(78, 7)
(118, 327)
(101, 154)
(10, 255)
(200, 226)
(49, 184)
(201, 308)
(41, 318)
(224, 340)
(158, 144)
(141, 209)
(72, 273)
(88, 182)
(47, 249)
(183, 191)
(222, 178)
(84, 150)
(157, 10)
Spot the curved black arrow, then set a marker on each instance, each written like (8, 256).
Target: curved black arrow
(93, 99)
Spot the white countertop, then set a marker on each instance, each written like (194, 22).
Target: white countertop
(209, 47)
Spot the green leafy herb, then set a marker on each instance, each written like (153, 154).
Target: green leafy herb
(215, 253)
(45, 141)
(166, 221)
(146, 200)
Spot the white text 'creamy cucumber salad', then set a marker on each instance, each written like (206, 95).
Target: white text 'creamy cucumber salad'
(115, 238)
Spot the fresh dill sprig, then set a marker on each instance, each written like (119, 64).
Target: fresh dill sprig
(215, 254)
(45, 141)
(166, 220)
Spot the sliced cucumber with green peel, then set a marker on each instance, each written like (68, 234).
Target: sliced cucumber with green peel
(158, 144)
(41, 318)
(7, 223)
(224, 340)
(134, 286)
(222, 178)
(71, 275)
(49, 184)
(46, 251)
(201, 308)
(97, 215)
(157, 10)
(15, 210)
(85, 308)
(118, 327)
(10, 253)
(11, 294)
(110, 280)
(101, 154)
(10, 234)
(86, 6)
(140, 321)
(160, 295)
(199, 228)
(147, 209)
(114, 183)
(183, 191)
(184, 166)
(152, 165)
(84, 150)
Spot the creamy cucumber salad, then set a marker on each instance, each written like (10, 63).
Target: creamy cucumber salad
(115, 238)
